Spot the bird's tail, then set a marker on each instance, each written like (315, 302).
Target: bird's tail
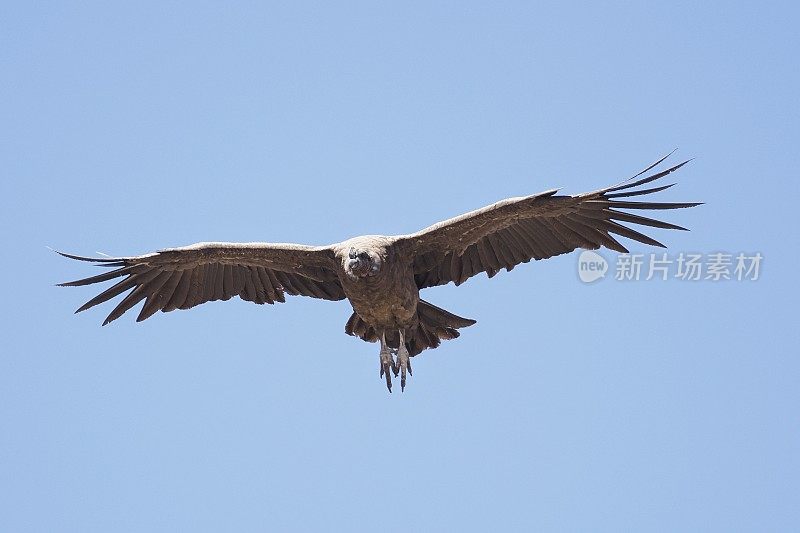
(433, 325)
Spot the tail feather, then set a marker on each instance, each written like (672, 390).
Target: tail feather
(431, 314)
(433, 325)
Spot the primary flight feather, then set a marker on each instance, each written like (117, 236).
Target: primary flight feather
(381, 276)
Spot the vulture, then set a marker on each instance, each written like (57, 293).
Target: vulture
(381, 276)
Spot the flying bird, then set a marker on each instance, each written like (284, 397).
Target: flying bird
(381, 276)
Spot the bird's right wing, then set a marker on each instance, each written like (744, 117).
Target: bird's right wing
(516, 230)
(180, 278)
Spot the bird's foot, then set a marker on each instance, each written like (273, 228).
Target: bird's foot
(403, 364)
(387, 366)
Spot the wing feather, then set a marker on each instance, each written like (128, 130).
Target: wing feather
(181, 278)
(169, 287)
(155, 300)
(516, 230)
(196, 287)
(133, 298)
(228, 284)
(180, 292)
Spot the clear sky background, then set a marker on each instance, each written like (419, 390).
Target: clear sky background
(642, 406)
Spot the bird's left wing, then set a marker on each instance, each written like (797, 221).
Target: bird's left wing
(516, 230)
(180, 278)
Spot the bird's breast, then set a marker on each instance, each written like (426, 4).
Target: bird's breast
(387, 299)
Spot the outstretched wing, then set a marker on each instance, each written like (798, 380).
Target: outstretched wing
(516, 230)
(180, 278)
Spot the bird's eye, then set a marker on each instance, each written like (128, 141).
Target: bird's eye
(353, 254)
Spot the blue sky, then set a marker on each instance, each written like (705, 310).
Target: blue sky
(644, 406)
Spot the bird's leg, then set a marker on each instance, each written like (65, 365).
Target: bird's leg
(387, 362)
(403, 361)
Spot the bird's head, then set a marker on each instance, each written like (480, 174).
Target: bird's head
(362, 263)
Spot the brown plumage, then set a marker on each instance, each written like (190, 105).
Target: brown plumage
(381, 276)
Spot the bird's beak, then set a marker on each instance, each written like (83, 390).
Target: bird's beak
(353, 268)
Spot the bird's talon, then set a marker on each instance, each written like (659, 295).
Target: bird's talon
(395, 361)
(387, 364)
(403, 361)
